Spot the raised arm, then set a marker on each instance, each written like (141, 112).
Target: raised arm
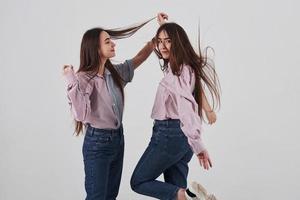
(79, 89)
(145, 52)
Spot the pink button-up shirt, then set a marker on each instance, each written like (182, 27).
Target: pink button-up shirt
(174, 100)
(97, 101)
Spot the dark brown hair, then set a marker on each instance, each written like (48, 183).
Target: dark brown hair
(90, 60)
(182, 52)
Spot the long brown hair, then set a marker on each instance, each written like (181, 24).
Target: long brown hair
(90, 60)
(182, 52)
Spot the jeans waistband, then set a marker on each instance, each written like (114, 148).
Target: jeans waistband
(97, 131)
(172, 123)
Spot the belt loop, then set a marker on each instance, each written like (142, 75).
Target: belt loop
(93, 129)
(120, 129)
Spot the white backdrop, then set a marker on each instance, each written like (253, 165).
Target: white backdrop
(253, 145)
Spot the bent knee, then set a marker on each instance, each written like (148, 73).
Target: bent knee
(134, 182)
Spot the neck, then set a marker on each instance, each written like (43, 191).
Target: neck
(102, 67)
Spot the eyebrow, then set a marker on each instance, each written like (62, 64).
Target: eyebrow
(164, 38)
(107, 39)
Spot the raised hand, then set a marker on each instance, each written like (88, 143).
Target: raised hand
(162, 18)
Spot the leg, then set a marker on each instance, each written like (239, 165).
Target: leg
(159, 156)
(96, 176)
(147, 170)
(115, 173)
(97, 153)
(177, 173)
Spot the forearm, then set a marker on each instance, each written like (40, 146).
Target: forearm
(205, 105)
(80, 103)
(143, 54)
(78, 93)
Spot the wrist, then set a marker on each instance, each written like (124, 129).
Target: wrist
(203, 151)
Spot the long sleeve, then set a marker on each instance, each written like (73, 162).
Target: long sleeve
(79, 89)
(191, 124)
(188, 111)
(181, 102)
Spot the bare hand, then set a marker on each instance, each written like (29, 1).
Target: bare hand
(162, 18)
(204, 160)
(67, 69)
(211, 116)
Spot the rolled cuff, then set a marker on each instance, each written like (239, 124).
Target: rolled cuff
(131, 69)
(70, 78)
(196, 145)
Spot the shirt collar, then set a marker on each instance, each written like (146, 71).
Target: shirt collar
(106, 73)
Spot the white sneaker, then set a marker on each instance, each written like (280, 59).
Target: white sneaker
(211, 197)
(200, 192)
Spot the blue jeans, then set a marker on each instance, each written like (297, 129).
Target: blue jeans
(168, 153)
(103, 152)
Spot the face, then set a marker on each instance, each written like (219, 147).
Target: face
(164, 44)
(107, 46)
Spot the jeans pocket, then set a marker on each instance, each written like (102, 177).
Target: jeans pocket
(156, 134)
(104, 139)
(97, 142)
(174, 144)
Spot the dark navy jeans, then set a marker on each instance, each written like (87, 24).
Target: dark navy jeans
(168, 153)
(103, 152)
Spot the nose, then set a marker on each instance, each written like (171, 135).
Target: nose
(113, 44)
(163, 45)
